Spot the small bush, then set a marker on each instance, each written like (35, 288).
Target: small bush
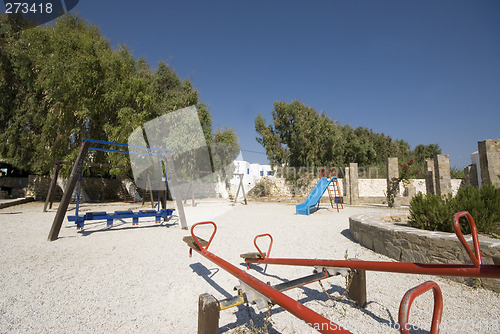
(435, 213)
(263, 188)
(431, 212)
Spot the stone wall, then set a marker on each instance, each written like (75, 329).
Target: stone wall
(13, 187)
(370, 190)
(407, 244)
(38, 187)
(98, 189)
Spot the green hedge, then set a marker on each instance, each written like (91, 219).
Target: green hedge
(435, 213)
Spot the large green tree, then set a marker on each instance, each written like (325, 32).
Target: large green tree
(299, 136)
(64, 82)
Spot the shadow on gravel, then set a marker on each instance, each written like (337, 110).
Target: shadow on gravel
(347, 233)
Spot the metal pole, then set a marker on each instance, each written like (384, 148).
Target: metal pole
(462, 270)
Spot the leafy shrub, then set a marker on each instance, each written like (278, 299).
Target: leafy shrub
(433, 212)
(483, 205)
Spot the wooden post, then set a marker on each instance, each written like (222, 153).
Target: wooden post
(357, 290)
(240, 186)
(53, 181)
(208, 314)
(68, 192)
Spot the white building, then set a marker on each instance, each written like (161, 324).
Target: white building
(252, 173)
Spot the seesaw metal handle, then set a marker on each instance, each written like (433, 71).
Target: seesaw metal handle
(333, 172)
(196, 238)
(410, 295)
(475, 258)
(270, 244)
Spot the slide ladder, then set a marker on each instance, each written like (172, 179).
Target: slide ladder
(334, 189)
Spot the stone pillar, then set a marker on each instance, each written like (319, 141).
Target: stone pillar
(489, 158)
(392, 174)
(442, 174)
(353, 184)
(470, 176)
(347, 186)
(429, 176)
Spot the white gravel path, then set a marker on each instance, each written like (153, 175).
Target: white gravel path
(141, 280)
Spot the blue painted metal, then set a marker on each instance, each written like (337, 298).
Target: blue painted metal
(166, 214)
(110, 217)
(120, 151)
(122, 144)
(312, 202)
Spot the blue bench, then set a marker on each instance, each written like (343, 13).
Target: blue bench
(110, 217)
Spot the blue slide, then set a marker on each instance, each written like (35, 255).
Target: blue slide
(312, 201)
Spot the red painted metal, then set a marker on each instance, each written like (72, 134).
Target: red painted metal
(211, 237)
(312, 318)
(410, 295)
(323, 325)
(461, 270)
(270, 244)
(322, 172)
(475, 258)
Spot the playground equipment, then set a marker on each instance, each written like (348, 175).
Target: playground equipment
(110, 217)
(158, 154)
(311, 203)
(55, 174)
(253, 290)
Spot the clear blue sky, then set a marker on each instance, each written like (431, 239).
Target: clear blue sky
(423, 71)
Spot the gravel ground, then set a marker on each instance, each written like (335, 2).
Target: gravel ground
(141, 279)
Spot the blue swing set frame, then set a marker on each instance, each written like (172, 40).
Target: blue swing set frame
(165, 213)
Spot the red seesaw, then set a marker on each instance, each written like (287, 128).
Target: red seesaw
(263, 293)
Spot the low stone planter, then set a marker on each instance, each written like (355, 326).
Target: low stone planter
(408, 244)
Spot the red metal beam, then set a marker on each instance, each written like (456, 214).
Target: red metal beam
(462, 270)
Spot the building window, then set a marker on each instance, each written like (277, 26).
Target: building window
(248, 170)
(261, 173)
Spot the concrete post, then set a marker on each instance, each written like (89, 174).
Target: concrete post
(470, 176)
(489, 158)
(354, 183)
(429, 176)
(442, 174)
(392, 174)
(347, 186)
